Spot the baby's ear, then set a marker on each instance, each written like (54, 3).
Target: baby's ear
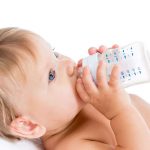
(26, 128)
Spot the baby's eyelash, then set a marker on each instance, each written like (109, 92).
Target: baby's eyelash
(53, 49)
(56, 54)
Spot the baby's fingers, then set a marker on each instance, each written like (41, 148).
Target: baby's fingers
(81, 91)
(102, 49)
(88, 83)
(101, 75)
(92, 50)
(115, 46)
(114, 78)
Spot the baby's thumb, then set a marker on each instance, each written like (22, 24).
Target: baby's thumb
(81, 91)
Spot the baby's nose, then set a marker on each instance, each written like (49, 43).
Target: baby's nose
(71, 67)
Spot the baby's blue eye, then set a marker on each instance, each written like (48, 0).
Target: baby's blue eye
(51, 75)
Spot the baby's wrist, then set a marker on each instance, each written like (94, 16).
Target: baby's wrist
(124, 110)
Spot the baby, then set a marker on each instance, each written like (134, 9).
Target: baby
(42, 96)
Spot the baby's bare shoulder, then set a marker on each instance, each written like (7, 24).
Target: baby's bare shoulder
(86, 145)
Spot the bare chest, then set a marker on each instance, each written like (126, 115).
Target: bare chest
(91, 126)
(95, 127)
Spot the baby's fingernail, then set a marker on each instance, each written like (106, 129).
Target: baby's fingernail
(86, 68)
(79, 80)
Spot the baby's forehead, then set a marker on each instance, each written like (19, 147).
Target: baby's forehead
(41, 47)
(22, 52)
(42, 51)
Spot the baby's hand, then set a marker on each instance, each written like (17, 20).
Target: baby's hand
(107, 97)
(93, 50)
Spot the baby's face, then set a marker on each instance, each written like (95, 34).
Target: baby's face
(49, 95)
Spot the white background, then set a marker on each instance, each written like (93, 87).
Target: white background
(72, 26)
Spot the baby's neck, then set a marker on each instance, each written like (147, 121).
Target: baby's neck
(52, 138)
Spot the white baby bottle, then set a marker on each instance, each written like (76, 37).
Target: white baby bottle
(133, 59)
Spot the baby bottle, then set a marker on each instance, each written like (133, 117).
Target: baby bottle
(133, 59)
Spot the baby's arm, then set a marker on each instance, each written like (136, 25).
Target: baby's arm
(142, 106)
(130, 129)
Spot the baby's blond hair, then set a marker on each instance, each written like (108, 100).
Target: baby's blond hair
(15, 46)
